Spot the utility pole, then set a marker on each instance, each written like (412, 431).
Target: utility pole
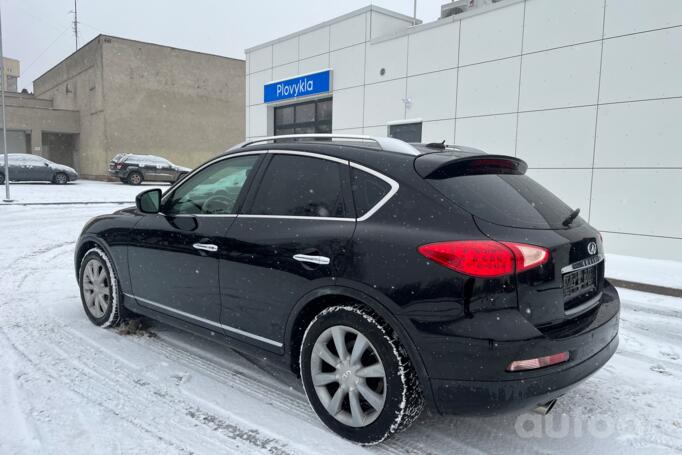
(414, 13)
(75, 21)
(4, 123)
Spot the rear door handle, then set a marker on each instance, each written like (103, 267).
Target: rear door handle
(321, 260)
(206, 247)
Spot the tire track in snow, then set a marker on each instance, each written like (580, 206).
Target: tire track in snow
(85, 371)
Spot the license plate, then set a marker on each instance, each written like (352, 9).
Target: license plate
(579, 282)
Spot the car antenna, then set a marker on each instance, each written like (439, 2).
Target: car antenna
(436, 145)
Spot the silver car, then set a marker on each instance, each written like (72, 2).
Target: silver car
(25, 167)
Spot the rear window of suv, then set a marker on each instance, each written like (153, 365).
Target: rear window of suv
(506, 199)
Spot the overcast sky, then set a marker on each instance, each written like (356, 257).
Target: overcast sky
(39, 34)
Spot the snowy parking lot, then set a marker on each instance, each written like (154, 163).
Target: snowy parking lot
(67, 386)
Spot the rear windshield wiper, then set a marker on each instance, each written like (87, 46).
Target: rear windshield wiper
(569, 219)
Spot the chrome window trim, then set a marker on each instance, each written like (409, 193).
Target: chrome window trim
(393, 184)
(394, 189)
(207, 321)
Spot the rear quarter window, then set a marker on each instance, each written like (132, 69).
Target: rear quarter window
(506, 199)
(368, 190)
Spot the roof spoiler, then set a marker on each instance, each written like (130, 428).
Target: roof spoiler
(444, 165)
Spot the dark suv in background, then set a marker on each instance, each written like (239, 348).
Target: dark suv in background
(387, 275)
(135, 169)
(24, 167)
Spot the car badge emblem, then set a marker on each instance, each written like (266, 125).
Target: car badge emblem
(592, 248)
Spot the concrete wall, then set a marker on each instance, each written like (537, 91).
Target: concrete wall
(76, 84)
(143, 98)
(588, 92)
(184, 106)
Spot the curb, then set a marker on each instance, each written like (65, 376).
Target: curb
(651, 288)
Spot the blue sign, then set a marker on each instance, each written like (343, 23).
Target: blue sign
(306, 85)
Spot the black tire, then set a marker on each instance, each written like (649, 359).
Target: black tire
(113, 314)
(123, 180)
(134, 178)
(60, 178)
(2, 179)
(403, 402)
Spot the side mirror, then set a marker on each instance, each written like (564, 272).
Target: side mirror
(149, 201)
(46, 164)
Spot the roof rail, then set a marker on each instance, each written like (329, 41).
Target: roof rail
(388, 144)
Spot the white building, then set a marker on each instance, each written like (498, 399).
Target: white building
(588, 92)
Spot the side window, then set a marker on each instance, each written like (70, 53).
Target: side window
(301, 186)
(213, 190)
(368, 190)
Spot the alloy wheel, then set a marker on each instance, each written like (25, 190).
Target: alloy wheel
(348, 376)
(61, 179)
(96, 288)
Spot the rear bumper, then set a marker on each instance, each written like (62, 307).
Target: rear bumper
(468, 375)
(492, 397)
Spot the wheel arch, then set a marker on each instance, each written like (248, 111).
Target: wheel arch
(85, 244)
(315, 301)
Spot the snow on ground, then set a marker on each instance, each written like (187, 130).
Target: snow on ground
(78, 191)
(67, 386)
(640, 270)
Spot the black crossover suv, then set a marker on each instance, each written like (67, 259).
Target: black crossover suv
(135, 169)
(387, 275)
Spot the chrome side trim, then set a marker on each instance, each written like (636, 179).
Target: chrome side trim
(205, 247)
(292, 217)
(206, 321)
(585, 263)
(394, 189)
(584, 306)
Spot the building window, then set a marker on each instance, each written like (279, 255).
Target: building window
(408, 132)
(304, 118)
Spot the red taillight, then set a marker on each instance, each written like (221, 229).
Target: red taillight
(538, 362)
(485, 258)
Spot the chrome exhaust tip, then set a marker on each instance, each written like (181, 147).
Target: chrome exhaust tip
(544, 409)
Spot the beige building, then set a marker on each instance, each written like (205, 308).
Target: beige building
(12, 70)
(116, 95)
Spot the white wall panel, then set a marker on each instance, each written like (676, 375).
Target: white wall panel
(382, 24)
(491, 36)
(641, 245)
(570, 185)
(348, 66)
(433, 49)
(379, 131)
(492, 134)
(348, 32)
(488, 88)
(313, 64)
(383, 102)
(631, 16)
(347, 109)
(257, 81)
(285, 51)
(284, 71)
(438, 131)
(637, 201)
(551, 23)
(642, 66)
(558, 138)
(560, 78)
(390, 55)
(260, 59)
(640, 134)
(258, 117)
(433, 95)
(313, 43)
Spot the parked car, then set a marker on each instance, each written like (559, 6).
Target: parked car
(26, 167)
(386, 275)
(135, 169)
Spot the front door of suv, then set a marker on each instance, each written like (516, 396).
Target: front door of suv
(290, 238)
(173, 255)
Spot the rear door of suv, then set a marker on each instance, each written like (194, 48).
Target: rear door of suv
(291, 237)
